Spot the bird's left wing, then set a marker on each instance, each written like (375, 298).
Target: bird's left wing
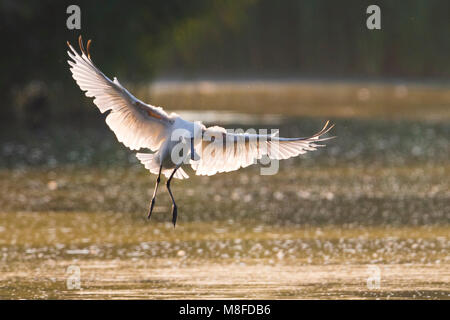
(220, 151)
(135, 123)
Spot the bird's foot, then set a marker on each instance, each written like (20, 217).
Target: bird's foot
(151, 208)
(174, 214)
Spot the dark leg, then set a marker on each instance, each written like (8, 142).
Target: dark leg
(174, 205)
(154, 194)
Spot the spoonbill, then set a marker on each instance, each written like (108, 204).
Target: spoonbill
(173, 140)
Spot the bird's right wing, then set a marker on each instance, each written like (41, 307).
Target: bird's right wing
(136, 124)
(220, 151)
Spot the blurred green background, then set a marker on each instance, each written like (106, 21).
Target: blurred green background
(203, 39)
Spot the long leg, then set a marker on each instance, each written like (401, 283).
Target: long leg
(174, 205)
(154, 193)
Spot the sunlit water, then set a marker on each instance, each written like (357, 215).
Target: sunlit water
(373, 204)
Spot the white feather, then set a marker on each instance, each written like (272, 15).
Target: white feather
(136, 124)
(241, 150)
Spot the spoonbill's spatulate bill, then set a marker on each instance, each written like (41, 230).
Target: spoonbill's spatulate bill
(172, 140)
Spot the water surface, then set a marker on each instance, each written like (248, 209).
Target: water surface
(376, 199)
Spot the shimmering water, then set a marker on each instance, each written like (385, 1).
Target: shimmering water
(125, 257)
(377, 198)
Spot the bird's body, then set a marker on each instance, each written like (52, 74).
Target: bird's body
(162, 157)
(173, 140)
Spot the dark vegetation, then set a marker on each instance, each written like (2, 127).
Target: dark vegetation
(200, 38)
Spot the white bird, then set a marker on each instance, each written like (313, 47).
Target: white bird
(175, 141)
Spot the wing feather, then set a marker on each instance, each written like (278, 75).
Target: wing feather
(228, 152)
(136, 124)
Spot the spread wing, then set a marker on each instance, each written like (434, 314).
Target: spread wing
(135, 123)
(220, 151)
